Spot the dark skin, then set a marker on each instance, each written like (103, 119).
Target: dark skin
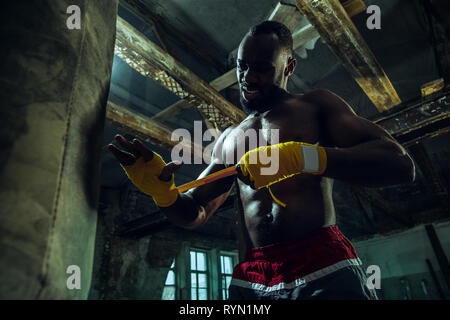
(358, 151)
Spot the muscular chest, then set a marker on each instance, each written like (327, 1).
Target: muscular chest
(271, 128)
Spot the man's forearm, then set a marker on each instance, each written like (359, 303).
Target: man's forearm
(373, 164)
(184, 211)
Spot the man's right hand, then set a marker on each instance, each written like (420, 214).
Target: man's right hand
(147, 170)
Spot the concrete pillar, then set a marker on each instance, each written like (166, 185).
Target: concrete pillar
(53, 89)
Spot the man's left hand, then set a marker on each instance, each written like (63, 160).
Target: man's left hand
(285, 159)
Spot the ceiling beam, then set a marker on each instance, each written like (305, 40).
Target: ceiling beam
(353, 7)
(286, 14)
(181, 105)
(336, 28)
(415, 115)
(151, 61)
(138, 125)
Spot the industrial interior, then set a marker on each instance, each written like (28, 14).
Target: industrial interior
(167, 65)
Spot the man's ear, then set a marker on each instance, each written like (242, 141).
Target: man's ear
(292, 63)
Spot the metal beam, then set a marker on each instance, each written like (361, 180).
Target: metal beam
(415, 115)
(336, 28)
(151, 61)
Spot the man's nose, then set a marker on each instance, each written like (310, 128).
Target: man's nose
(249, 76)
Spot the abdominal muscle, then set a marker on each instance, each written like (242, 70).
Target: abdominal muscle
(309, 207)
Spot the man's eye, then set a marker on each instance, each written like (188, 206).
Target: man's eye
(241, 66)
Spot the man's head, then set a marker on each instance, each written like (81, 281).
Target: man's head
(264, 63)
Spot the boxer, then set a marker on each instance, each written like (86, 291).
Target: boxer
(297, 250)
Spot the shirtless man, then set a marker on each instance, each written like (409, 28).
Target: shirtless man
(297, 250)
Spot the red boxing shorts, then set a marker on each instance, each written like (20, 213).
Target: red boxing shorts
(323, 265)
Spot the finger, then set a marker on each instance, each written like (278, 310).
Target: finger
(146, 153)
(169, 169)
(124, 157)
(129, 147)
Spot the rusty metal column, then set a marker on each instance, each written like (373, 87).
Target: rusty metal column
(54, 84)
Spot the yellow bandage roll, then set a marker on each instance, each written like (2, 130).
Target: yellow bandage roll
(145, 176)
(288, 159)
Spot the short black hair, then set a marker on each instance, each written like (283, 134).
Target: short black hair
(283, 33)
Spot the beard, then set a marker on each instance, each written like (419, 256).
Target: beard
(263, 102)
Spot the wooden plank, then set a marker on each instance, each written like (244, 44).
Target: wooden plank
(150, 60)
(303, 35)
(171, 111)
(223, 81)
(143, 127)
(287, 14)
(353, 7)
(431, 87)
(336, 28)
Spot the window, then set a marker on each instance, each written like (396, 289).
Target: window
(199, 275)
(226, 270)
(170, 288)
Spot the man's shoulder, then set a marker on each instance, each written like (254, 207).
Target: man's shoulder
(317, 94)
(328, 102)
(314, 96)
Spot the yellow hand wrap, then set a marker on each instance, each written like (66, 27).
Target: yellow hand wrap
(145, 176)
(293, 158)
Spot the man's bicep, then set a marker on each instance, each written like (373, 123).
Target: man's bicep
(343, 127)
(345, 131)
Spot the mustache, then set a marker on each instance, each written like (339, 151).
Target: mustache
(244, 86)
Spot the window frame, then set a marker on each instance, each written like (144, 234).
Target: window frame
(234, 260)
(207, 273)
